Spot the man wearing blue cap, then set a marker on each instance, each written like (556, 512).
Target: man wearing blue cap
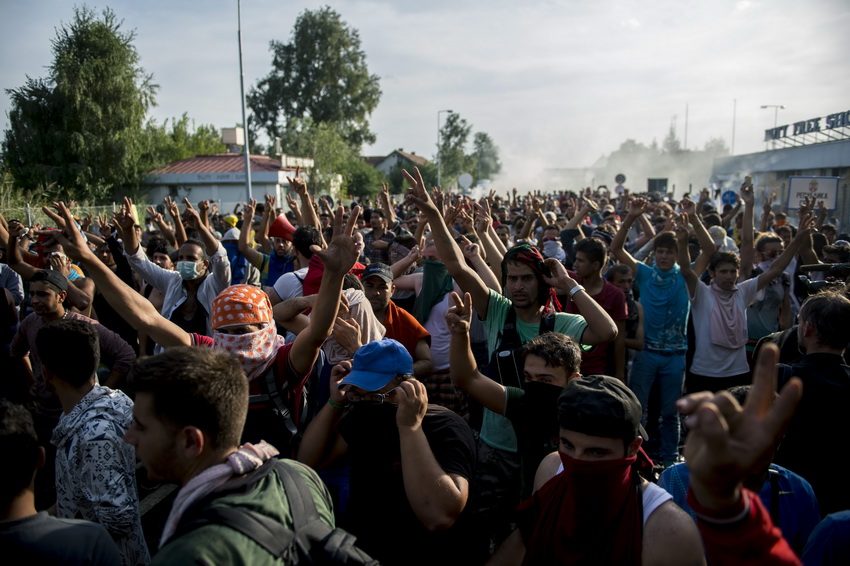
(411, 463)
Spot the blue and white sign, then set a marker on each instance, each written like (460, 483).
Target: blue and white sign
(729, 197)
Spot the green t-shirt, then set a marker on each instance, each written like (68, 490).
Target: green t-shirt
(496, 430)
(218, 544)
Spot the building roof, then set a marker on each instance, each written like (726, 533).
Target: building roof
(373, 160)
(220, 163)
(417, 159)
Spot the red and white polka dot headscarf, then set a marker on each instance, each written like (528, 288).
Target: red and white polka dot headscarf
(244, 304)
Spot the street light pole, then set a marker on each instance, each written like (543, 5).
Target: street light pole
(439, 158)
(776, 108)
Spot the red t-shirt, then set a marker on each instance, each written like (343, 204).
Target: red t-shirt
(404, 328)
(613, 301)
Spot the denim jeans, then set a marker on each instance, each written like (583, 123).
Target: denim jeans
(669, 369)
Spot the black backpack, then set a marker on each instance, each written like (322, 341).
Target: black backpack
(506, 363)
(312, 542)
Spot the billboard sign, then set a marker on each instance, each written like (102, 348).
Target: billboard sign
(820, 188)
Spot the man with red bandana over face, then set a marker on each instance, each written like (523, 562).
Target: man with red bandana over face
(597, 509)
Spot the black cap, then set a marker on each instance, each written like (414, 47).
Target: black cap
(381, 270)
(598, 405)
(53, 277)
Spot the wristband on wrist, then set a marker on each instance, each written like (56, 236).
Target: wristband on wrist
(336, 405)
(575, 290)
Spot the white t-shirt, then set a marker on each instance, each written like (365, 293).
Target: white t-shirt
(289, 284)
(711, 360)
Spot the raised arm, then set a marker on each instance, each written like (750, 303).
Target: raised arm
(269, 213)
(308, 213)
(684, 259)
(747, 229)
(601, 328)
(706, 243)
(436, 497)
(464, 368)
(804, 234)
(450, 252)
(387, 206)
(471, 253)
(253, 256)
(338, 259)
(637, 208)
(174, 211)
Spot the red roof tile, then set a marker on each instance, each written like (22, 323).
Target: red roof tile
(417, 159)
(220, 163)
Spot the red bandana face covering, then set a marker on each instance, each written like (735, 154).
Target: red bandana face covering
(588, 514)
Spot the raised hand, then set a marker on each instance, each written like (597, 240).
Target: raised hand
(417, 194)
(347, 334)
(459, 315)
(688, 206)
(103, 227)
(747, 194)
(71, 239)
(342, 253)
(248, 211)
(638, 206)
(412, 399)
(171, 207)
(154, 215)
(270, 202)
(192, 216)
(298, 184)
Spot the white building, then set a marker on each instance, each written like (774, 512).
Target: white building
(221, 179)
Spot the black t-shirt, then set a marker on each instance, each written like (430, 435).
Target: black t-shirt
(378, 510)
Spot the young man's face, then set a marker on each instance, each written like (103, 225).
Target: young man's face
(535, 369)
(665, 258)
(624, 281)
(44, 298)
(550, 235)
(521, 285)
(281, 247)
(585, 447)
(725, 275)
(163, 260)
(377, 222)
(378, 292)
(504, 234)
(583, 266)
(155, 441)
(771, 251)
(193, 253)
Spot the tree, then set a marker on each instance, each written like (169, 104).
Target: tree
(181, 141)
(486, 155)
(320, 74)
(81, 129)
(399, 184)
(716, 147)
(671, 143)
(453, 138)
(361, 179)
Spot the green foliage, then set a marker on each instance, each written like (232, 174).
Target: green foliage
(362, 180)
(398, 184)
(181, 141)
(486, 155)
(453, 139)
(482, 163)
(80, 130)
(321, 74)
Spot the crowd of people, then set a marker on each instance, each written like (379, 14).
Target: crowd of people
(563, 378)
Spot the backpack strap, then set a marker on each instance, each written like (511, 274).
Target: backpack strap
(508, 336)
(266, 532)
(547, 323)
(301, 504)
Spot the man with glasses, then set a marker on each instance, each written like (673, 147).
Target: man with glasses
(411, 462)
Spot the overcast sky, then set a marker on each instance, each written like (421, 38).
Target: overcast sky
(555, 83)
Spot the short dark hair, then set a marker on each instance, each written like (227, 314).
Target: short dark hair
(196, 242)
(304, 237)
(666, 240)
(843, 252)
(618, 269)
(19, 442)
(556, 350)
(199, 387)
(828, 312)
(378, 212)
(70, 349)
(594, 249)
(712, 219)
(351, 281)
(406, 240)
(765, 239)
(724, 257)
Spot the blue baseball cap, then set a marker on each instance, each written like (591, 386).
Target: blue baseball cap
(377, 363)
